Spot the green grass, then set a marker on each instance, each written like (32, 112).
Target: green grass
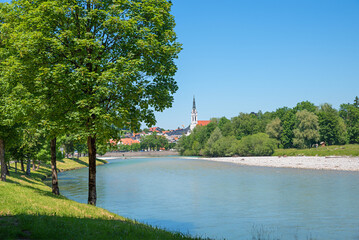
(335, 150)
(75, 163)
(28, 210)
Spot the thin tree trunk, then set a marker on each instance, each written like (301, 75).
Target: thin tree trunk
(22, 165)
(91, 144)
(33, 165)
(16, 166)
(2, 160)
(55, 183)
(38, 165)
(28, 167)
(8, 169)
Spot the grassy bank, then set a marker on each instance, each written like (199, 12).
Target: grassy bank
(28, 210)
(344, 150)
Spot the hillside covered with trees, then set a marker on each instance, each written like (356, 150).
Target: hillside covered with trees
(259, 134)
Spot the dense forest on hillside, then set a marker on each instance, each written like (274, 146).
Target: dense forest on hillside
(254, 134)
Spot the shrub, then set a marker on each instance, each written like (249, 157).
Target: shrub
(256, 145)
(224, 147)
(188, 153)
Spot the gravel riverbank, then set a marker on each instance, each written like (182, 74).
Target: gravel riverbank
(324, 163)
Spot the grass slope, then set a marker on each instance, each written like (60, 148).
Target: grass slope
(28, 210)
(344, 150)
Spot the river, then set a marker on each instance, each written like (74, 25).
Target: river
(225, 200)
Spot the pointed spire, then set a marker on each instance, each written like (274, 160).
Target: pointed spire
(194, 103)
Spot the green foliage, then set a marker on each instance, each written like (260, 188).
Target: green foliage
(225, 146)
(154, 142)
(209, 147)
(332, 129)
(247, 124)
(306, 105)
(350, 114)
(256, 145)
(306, 132)
(274, 129)
(288, 126)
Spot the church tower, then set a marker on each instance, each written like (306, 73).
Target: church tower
(193, 115)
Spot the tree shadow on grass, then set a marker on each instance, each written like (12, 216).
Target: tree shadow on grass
(85, 163)
(55, 227)
(79, 161)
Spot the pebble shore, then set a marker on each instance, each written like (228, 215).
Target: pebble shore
(321, 163)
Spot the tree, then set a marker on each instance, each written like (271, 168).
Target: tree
(224, 147)
(247, 124)
(306, 105)
(256, 145)
(288, 123)
(307, 129)
(274, 129)
(116, 60)
(350, 114)
(332, 128)
(215, 136)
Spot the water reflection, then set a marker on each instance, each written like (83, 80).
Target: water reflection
(224, 200)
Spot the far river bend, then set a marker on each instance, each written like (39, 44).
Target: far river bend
(225, 200)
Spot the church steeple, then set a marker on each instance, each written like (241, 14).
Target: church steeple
(193, 115)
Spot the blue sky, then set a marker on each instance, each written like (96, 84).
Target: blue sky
(250, 55)
(244, 56)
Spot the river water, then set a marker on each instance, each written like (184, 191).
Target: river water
(225, 200)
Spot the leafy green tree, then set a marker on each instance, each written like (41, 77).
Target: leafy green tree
(306, 105)
(307, 129)
(274, 129)
(215, 136)
(332, 128)
(350, 114)
(225, 126)
(184, 145)
(288, 123)
(247, 124)
(225, 146)
(136, 147)
(256, 145)
(116, 59)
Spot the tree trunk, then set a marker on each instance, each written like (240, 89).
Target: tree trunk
(16, 166)
(55, 183)
(28, 167)
(2, 160)
(22, 165)
(91, 144)
(38, 165)
(8, 169)
(33, 165)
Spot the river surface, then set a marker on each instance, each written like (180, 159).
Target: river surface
(225, 200)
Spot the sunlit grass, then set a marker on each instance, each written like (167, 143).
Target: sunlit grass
(28, 210)
(74, 163)
(335, 150)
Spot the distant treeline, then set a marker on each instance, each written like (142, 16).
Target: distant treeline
(253, 134)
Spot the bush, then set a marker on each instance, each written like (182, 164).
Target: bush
(256, 145)
(188, 153)
(224, 147)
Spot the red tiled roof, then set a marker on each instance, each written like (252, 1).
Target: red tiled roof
(128, 141)
(113, 142)
(203, 122)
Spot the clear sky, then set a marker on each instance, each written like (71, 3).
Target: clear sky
(250, 55)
